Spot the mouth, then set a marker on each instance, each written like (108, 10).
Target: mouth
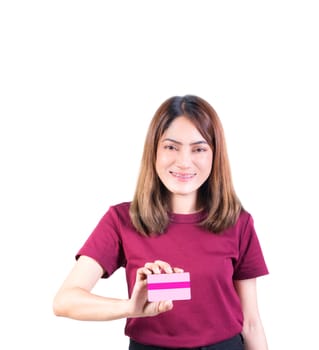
(182, 176)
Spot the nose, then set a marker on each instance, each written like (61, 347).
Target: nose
(183, 160)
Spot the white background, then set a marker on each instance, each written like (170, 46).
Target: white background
(80, 81)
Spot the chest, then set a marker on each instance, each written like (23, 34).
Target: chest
(203, 254)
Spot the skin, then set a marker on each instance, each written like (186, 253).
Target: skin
(253, 331)
(183, 163)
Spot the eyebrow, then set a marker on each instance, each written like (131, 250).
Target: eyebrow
(180, 143)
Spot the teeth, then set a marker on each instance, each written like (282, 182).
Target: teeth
(182, 176)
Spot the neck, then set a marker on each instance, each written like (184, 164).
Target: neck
(183, 204)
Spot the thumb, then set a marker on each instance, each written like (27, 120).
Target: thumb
(164, 306)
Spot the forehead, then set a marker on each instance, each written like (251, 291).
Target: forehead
(182, 129)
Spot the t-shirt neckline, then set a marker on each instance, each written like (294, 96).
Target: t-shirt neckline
(187, 218)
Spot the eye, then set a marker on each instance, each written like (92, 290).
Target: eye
(170, 147)
(199, 149)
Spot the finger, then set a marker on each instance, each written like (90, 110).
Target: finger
(164, 306)
(152, 266)
(177, 270)
(164, 266)
(142, 272)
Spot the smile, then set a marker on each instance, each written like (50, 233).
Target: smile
(182, 176)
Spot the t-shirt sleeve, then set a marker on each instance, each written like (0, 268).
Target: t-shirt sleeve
(250, 262)
(104, 244)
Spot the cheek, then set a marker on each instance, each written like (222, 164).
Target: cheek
(159, 164)
(206, 163)
(162, 160)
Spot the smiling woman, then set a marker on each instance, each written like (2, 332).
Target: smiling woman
(184, 232)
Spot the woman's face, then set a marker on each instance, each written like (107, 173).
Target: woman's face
(183, 160)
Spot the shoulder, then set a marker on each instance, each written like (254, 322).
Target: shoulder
(121, 207)
(243, 225)
(120, 212)
(116, 213)
(244, 220)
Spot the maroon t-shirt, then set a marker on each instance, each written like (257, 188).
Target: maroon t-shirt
(214, 313)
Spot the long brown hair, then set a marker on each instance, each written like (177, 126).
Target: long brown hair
(149, 208)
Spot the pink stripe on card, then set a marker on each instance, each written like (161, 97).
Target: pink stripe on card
(169, 285)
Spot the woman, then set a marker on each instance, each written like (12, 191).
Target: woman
(185, 216)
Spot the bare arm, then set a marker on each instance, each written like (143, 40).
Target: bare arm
(75, 299)
(253, 332)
